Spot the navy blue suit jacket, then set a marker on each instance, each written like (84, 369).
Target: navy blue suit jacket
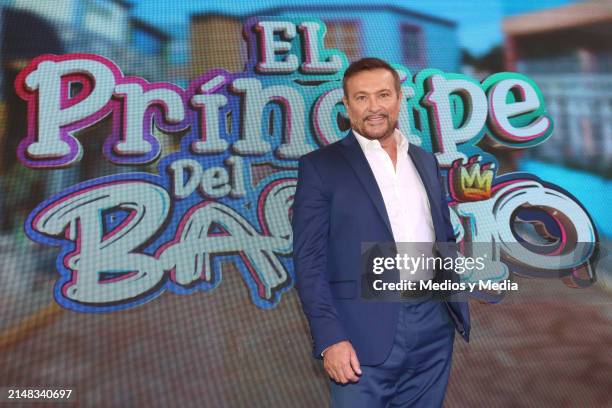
(337, 207)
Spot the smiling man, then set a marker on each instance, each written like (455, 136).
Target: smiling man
(372, 186)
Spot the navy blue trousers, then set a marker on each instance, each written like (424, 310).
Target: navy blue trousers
(415, 373)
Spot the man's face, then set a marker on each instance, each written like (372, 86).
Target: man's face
(372, 103)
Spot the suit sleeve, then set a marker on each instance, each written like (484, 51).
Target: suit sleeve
(449, 233)
(447, 243)
(311, 212)
(457, 302)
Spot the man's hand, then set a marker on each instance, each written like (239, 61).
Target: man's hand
(340, 362)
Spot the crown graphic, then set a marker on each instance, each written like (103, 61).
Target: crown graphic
(471, 181)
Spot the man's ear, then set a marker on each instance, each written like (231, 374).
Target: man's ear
(345, 101)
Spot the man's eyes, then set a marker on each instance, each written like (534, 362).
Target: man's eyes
(362, 98)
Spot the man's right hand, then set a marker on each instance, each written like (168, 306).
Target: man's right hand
(340, 362)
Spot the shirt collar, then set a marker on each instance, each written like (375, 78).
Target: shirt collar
(365, 143)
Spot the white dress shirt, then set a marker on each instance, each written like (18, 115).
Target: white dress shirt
(402, 190)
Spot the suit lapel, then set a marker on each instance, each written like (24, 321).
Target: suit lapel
(354, 155)
(429, 181)
(417, 159)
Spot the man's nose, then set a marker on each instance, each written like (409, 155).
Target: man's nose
(373, 104)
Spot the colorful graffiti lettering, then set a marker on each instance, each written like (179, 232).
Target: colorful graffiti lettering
(226, 195)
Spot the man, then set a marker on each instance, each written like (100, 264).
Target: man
(372, 186)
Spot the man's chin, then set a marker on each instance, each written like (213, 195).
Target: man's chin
(376, 134)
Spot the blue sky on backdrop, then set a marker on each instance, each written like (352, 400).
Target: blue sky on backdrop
(479, 21)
